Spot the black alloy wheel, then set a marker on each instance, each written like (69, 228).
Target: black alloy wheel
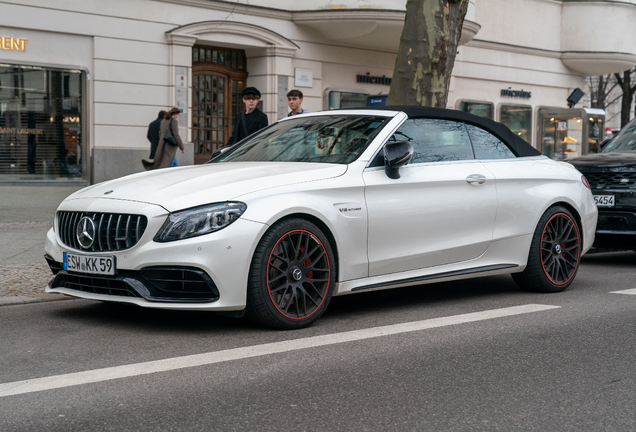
(291, 277)
(555, 253)
(560, 249)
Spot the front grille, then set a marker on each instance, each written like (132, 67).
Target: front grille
(616, 221)
(612, 180)
(114, 231)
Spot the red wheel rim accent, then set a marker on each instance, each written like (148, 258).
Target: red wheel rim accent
(298, 274)
(560, 249)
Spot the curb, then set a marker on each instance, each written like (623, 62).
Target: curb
(14, 300)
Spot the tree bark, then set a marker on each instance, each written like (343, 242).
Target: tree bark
(628, 94)
(428, 46)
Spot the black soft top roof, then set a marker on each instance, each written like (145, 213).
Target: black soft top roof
(518, 145)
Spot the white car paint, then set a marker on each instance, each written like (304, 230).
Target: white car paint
(385, 232)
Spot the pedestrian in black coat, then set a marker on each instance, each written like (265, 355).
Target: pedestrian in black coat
(153, 133)
(249, 121)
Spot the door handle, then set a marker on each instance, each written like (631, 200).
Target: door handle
(476, 179)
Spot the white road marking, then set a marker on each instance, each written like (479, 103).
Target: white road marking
(111, 373)
(627, 291)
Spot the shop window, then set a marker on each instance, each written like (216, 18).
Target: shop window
(518, 118)
(480, 109)
(341, 100)
(40, 122)
(435, 140)
(562, 137)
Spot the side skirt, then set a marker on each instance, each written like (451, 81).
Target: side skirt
(415, 280)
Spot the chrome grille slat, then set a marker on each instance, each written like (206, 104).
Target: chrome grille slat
(67, 222)
(128, 231)
(94, 247)
(110, 220)
(99, 231)
(137, 229)
(61, 225)
(74, 221)
(117, 238)
(114, 231)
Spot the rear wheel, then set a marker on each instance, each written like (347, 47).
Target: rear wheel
(555, 253)
(292, 276)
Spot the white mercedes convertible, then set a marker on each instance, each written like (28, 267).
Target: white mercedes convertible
(326, 204)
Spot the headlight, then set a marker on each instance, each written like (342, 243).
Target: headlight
(199, 221)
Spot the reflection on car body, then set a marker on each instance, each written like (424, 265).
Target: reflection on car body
(326, 204)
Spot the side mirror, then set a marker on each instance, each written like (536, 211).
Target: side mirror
(396, 155)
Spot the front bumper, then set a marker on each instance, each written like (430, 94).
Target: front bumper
(154, 284)
(219, 262)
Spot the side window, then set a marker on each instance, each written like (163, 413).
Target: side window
(488, 146)
(435, 140)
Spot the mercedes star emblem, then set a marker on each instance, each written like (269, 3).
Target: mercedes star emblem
(85, 232)
(297, 273)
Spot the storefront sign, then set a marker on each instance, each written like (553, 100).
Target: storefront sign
(368, 79)
(13, 44)
(515, 93)
(21, 131)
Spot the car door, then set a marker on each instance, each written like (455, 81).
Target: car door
(442, 208)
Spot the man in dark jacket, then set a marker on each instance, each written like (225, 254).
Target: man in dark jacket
(153, 133)
(249, 121)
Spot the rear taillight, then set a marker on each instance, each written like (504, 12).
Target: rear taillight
(585, 182)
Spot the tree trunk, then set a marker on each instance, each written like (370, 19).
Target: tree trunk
(628, 94)
(426, 56)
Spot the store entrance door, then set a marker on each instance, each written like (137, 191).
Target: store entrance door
(210, 120)
(218, 79)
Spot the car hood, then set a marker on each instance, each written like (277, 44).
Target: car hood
(184, 187)
(605, 160)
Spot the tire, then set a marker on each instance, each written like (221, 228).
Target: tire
(555, 253)
(291, 277)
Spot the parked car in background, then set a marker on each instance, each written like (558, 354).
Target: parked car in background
(612, 176)
(325, 204)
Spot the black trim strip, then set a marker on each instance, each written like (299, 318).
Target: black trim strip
(437, 276)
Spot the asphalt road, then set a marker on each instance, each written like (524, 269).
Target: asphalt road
(476, 355)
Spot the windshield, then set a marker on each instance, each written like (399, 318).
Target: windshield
(330, 138)
(625, 141)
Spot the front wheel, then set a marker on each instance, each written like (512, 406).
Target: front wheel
(292, 276)
(555, 253)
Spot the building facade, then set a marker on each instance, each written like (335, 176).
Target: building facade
(81, 79)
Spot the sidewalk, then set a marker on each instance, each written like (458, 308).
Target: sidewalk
(26, 214)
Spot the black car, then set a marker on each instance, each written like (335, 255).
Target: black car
(612, 176)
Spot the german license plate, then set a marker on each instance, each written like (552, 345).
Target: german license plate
(101, 265)
(604, 200)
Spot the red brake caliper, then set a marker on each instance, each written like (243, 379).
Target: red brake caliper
(309, 274)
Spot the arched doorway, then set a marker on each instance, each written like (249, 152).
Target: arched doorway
(218, 79)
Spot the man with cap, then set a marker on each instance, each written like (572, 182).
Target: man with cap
(249, 121)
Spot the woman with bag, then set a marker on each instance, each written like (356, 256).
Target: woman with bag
(169, 140)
